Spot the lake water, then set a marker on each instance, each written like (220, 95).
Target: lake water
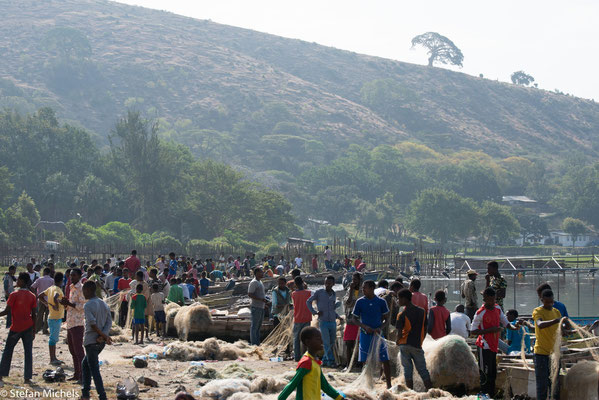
(579, 293)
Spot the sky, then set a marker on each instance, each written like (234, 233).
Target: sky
(554, 41)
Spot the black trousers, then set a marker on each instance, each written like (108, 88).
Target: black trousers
(487, 364)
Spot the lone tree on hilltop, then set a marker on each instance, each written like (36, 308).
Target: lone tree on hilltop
(440, 49)
(522, 78)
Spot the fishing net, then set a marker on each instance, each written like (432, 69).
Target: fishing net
(279, 339)
(371, 370)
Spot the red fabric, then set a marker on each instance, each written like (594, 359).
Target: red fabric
(306, 363)
(301, 313)
(357, 262)
(361, 267)
(314, 264)
(132, 263)
(124, 284)
(491, 319)
(21, 302)
(441, 314)
(351, 332)
(420, 300)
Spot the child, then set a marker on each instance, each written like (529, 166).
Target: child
(370, 313)
(55, 314)
(410, 326)
(157, 300)
(514, 338)
(546, 319)
(309, 379)
(487, 324)
(22, 306)
(138, 305)
(439, 319)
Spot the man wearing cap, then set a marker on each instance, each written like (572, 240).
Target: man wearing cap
(469, 293)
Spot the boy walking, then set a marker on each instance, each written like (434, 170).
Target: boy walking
(55, 314)
(370, 312)
(439, 319)
(309, 379)
(22, 306)
(138, 305)
(97, 326)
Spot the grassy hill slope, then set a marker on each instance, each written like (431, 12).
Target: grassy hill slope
(271, 102)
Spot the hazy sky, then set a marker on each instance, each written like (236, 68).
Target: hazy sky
(554, 41)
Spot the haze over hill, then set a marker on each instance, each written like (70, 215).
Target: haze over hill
(265, 94)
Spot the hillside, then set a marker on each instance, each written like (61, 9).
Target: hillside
(261, 100)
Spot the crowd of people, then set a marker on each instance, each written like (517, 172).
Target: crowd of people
(43, 299)
(405, 316)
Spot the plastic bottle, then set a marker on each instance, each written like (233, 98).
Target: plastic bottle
(153, 356)
(197, 363)
(102, 362)
(276, 359)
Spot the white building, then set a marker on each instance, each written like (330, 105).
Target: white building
(565, 239)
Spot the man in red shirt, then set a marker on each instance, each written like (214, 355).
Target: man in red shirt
(301, 314)
(315, 263)
(132, 263)
(21, 305)
(419, 299)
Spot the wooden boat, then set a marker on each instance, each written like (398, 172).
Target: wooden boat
(224, 327)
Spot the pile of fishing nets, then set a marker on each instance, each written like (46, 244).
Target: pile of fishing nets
(237, 371)
(193, 319)
(582, 380)
(209, 349)
(261, 388)
(450, 362)
(400, 392)
(202, 372)
(118, 334)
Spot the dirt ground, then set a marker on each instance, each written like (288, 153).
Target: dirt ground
(117, 366)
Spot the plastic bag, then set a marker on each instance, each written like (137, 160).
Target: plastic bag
(127, 390)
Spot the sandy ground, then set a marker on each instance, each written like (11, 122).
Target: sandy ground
(169, 374)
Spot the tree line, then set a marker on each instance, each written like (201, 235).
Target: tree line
(155, 186)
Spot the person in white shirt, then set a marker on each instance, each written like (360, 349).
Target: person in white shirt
(460, 322)
(298, 261)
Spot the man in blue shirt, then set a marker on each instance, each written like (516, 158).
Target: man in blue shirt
(172, 266)
(369, 314)
(561, 307)
(325, 301)
(204, 284)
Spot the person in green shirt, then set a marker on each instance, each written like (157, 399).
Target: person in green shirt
(309, 379)
(138, 305)
(175, 294)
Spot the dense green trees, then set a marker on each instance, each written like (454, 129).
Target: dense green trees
(149, 184)
(574, 227)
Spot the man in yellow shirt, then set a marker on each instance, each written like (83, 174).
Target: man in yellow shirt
(55, 314)
(546, 320)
